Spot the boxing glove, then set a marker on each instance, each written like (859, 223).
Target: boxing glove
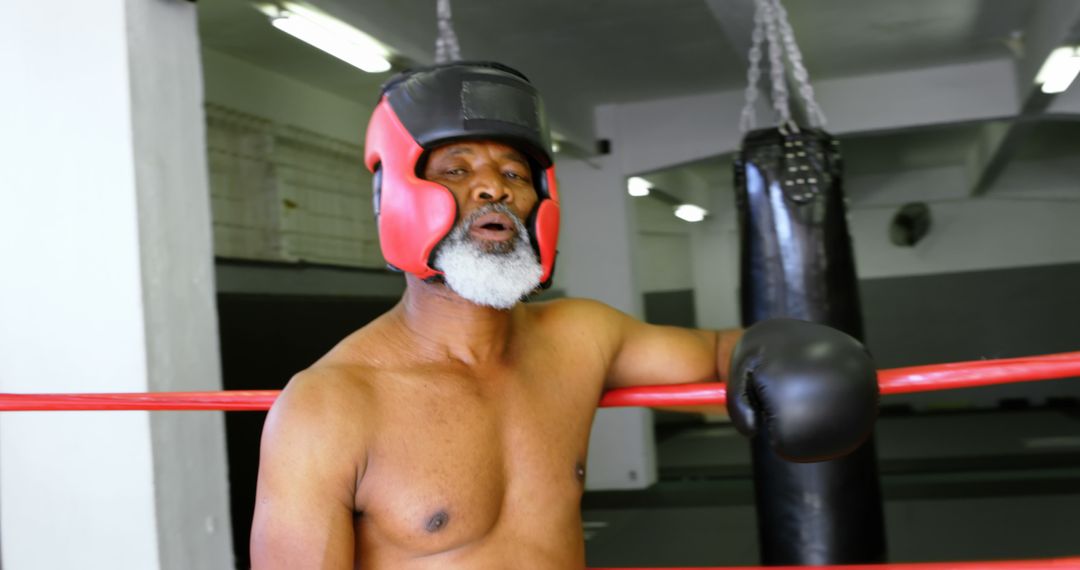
(814, 387)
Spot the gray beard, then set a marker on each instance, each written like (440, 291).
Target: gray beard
(490, 274)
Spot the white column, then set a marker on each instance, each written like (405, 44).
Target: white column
(596, 261)
(107, 286)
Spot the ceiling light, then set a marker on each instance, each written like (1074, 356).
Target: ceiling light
(555, 146)
(638, 186)
(330, 35)
(690, 213)
(1059, 70)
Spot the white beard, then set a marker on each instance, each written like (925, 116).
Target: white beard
(497, 279)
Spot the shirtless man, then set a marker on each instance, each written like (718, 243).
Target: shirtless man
(451, 432)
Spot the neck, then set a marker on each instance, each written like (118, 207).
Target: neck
(447, 326)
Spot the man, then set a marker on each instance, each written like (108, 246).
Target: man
(452, 431)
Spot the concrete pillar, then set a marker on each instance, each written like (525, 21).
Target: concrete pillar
(596, 261)
(107, 286)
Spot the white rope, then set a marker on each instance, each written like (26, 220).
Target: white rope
(447, 48)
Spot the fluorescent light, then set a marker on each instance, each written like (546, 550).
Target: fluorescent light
(1059, 70)
(638, 186)
(332, 36)
(690, 213)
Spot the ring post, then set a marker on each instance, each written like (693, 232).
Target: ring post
(797, 262)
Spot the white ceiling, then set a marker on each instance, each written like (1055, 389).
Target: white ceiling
(586, 52)
(582, 53)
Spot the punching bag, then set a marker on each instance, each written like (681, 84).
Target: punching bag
(797, 262)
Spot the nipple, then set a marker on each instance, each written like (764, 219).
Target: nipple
(438, 522)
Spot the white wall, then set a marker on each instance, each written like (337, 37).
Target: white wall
(596, 261)
(107, 287)
(239, 85)
(657, 268)
(597, 234)
(905, 99)
(714, 250)
(1027, 218)
(176, 261)
(659, 234)
(287, 173)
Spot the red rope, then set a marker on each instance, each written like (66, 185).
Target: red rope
(892, 381)
(1054, 563)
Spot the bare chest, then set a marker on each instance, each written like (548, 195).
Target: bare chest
(461, 461)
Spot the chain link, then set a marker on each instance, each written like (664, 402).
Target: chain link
(798, 70)
(771, 24)
(447, 48)
(781, 102)
(748, 120)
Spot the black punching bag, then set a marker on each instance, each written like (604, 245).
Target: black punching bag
(797, 262)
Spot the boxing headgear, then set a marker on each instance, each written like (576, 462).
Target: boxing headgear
(426, 108)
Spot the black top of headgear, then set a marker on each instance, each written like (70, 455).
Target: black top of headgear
(467, 100)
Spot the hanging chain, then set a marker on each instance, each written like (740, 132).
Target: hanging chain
(771, 24)
(781, 102)
(446, 44)
(748, 120)
(802, 78)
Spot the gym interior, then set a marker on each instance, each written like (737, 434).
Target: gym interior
(187, 209)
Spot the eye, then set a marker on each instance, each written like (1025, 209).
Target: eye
(454, 171)
(516, 176)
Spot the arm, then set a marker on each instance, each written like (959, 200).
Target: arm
(640, 354)
(307, 479)
(652, 355)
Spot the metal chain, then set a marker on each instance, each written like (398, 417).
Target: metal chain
(802, 78)
(781, 103)
(771, 24)
(447, 48)
(753, 74)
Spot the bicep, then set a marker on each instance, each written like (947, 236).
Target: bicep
(654, 355)
(304, 500)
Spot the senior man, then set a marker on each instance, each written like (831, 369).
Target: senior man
(451, 432)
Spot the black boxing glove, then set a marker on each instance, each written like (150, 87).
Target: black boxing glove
(814, 387)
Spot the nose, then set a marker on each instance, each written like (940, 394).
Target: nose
(489, 185)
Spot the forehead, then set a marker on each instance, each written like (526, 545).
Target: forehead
(480, 149)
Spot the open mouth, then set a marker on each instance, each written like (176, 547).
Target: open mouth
(493, 226)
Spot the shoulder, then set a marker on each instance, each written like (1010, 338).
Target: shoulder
(585, 311)
(325, 407)
(574, 319)
(311, 461)
(326, 389)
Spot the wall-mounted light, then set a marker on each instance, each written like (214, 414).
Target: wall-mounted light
(690, 213)
(638, 186)
(1059, 69)
(328, 34)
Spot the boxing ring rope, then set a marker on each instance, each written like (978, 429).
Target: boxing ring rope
(1047, 564)
(892, 381)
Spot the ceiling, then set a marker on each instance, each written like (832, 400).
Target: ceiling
(582, 53)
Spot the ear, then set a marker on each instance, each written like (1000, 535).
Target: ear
(376, 190)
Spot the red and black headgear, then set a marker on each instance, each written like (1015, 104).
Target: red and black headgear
(425, 108)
